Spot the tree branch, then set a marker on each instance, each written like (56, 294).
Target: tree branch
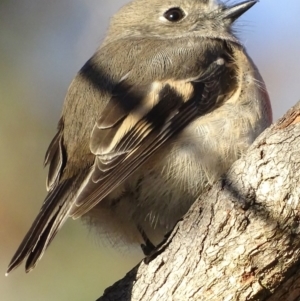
(239, 241)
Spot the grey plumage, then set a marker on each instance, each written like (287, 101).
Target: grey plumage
(158, 113)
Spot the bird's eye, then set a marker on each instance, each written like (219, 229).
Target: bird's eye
(174, 14)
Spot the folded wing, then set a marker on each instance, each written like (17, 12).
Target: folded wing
(137, 121)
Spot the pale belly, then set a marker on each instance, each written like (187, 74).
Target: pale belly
(159, 193)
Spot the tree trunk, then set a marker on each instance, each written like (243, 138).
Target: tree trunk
(239, 241)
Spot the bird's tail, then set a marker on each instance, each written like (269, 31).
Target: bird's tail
(51, 217)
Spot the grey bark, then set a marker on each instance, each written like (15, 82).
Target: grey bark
(241, 240)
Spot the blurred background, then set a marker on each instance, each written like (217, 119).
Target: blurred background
(42, 46)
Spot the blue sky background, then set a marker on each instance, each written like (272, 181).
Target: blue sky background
(42, 46)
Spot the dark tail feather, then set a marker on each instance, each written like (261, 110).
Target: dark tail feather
(43, 242)
(51, 217)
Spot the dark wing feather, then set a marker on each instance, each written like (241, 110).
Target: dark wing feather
(142, 133)
(53, 212)
(55, 157)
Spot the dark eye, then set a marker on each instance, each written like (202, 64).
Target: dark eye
(174, 14)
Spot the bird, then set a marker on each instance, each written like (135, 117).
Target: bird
(153, 119)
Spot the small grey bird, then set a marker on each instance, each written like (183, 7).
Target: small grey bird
(162, 109)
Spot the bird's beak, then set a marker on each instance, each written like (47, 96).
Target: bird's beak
(235, 11)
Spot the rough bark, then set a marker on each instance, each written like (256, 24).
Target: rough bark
(239, 241)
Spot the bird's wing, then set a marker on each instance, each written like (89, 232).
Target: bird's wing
(54, 211)
(56, 158)
(137, 121)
